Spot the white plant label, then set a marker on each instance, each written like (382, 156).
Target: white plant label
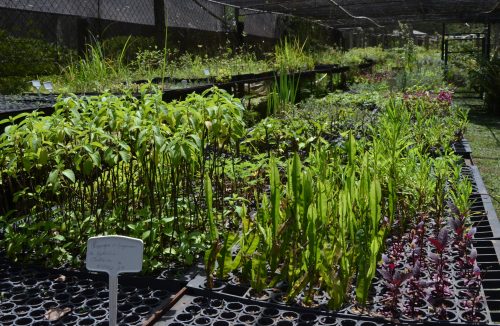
(206, 72)
(48, 86)
(36, 84)
(114, 254)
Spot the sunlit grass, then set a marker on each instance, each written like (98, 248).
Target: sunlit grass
(484, 136)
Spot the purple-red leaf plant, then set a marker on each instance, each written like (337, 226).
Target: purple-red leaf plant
(417, 243)
(438, 259)
(393, 280)
(417, 290)
(473, 283)
(473, 273)
(462, 237)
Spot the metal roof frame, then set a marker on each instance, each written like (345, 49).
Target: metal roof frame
(376, 13)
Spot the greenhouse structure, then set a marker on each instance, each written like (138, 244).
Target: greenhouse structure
(249, 162)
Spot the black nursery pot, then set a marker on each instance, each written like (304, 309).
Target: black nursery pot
(277, 297)
(193, 309)
(125, 308)
(252, 310)
(246, 319)
(284, 323)
(308, 317)
(69, 320)
(228, 315)
(218, 285)
(98, 314)
(88, 293)
(467, 317)
(328, 320)
(420, 315)
(37, 314)
(21, 310)
(62, 297)
(210, 312)
(347, 322)
(184, 317)
(6, 307)
(201, 301)
(270, 312)
(16, 289)
(41, 323)
(450, 317)
(19, 298)
(17, 280)
(128, 289)
(134, 300)
(142, 310)
(103, 323)
(234, 306)
(131, 319)
(221, 323)
(30, 282)
(216, 303)
(23, 321)
(77, 300)
(5, 286)
(7, 319)
(152, 302)
(265, 321)
(161, 294)
(87, 322)
(49, 304)
(202, 321)
(93, 302)
(34, 302)
(367, 323)
(59, 287)
(290, 315)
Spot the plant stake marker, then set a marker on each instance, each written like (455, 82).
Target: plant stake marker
(114, 254)
(48, 86)
(37, 85)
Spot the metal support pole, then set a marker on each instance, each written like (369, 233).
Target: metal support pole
(160, 23)
(82, 32)
(442, 41)
(488, 41)
(446, 52)
(99, 21)
(240, 27)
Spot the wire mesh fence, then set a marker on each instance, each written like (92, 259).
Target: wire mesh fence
(130, 11)
(38, 37)
(192, 14)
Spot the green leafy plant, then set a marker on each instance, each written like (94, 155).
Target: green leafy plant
(291, 56)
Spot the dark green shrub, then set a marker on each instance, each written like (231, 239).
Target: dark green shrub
(22, 59)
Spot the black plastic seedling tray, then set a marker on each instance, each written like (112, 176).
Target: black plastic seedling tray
(15, 104)
(202, 307)
(29, 294)
(462, 148)
(487, 243)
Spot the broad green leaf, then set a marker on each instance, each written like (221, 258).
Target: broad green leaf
(69, 174)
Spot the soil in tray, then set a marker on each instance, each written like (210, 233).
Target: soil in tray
(31, 296)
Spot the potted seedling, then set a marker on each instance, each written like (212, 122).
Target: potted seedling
(393, 281)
